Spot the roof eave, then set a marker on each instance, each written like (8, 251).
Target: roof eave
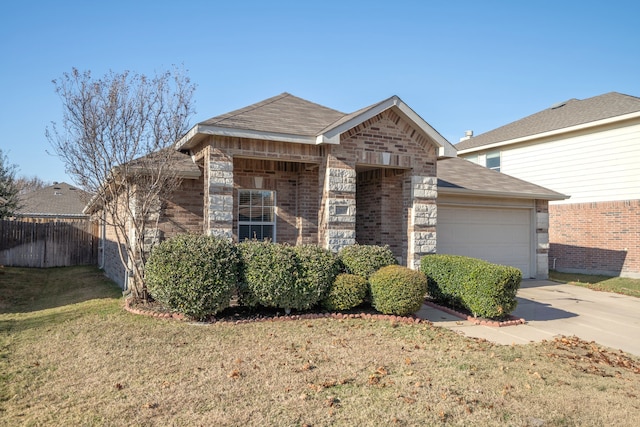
(50, 215)
(554, 132)
(198, 132)
(512, 195)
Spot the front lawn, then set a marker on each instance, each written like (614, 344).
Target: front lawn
(80, 359)
(620, 285)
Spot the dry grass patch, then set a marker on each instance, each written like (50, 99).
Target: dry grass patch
(92, 363)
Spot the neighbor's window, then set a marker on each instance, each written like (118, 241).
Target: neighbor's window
(493, 160)
(256, 215)
(472, 158)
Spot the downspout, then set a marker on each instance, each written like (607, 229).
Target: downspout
(103, 238)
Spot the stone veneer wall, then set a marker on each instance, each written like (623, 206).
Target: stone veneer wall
(596, 238)
(387, 142)
(218, 193)
(542, 239)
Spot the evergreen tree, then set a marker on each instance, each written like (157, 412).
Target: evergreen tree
(8, 188)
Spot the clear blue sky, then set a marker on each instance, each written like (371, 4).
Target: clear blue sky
(459, 64)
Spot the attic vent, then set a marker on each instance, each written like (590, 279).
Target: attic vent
(558, 105)
(57, 193)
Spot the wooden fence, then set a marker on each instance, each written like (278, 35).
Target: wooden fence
(48, 244)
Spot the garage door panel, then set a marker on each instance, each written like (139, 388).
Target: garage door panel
(501, 236)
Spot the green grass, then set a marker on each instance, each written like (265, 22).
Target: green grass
(70, 355)
(620, 285)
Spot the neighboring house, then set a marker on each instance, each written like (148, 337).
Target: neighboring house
(590, 150)
(296, 172)
(57, 202)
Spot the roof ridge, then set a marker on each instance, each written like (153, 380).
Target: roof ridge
(562, 115)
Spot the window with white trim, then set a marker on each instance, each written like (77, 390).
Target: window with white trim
(256, 215)
(493, 160)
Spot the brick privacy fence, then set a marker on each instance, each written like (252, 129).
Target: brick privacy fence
(596, 238)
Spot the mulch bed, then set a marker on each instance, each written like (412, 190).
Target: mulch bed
(240, 314)
(507, 321)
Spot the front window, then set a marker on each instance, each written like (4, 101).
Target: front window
(493, 160)
(256, 215)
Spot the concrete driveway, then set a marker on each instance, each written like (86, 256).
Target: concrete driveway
(551, 309)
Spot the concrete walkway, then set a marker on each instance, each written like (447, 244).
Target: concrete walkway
(551, 309)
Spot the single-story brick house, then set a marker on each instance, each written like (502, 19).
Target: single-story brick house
(297, 172)
(589, 149)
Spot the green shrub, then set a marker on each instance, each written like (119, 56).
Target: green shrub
(348, 291)
(270, 274)
(485, 289)
(318, 270)
(281, 276)
(397, 290)
(364, 260)
(193, 274)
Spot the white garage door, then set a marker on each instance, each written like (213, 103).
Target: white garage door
(501, 236)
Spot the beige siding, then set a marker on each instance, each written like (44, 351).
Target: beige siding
(588, 166)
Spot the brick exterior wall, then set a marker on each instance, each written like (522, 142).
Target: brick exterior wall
(380, 216)
(317, 185)
(596, 238)
(184, 212)
(406, 161)
(297, 196)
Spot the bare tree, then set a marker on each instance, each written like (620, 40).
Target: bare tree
(115, 141)
(28, 184)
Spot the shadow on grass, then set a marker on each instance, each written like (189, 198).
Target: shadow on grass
(24, 290)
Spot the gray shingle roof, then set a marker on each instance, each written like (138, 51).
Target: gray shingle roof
(457, 174)
(182, 162)
(562, 115)
(60, 199)
(284, 113)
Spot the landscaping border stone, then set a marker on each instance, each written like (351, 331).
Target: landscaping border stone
(510, 321)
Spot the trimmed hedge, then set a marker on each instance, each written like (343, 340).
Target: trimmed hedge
(484, 289)
(364, 260)
(282, 276)
(193, 274)
(348, 291)
(318, 270)
(397, 290)
(270, 273)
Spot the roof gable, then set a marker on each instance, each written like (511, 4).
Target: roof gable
(291, 119)
(457, 175)
(564, 115)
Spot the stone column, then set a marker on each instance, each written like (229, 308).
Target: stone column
(219, 219)
(339, 207)
(542, 239)
(421, 225)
